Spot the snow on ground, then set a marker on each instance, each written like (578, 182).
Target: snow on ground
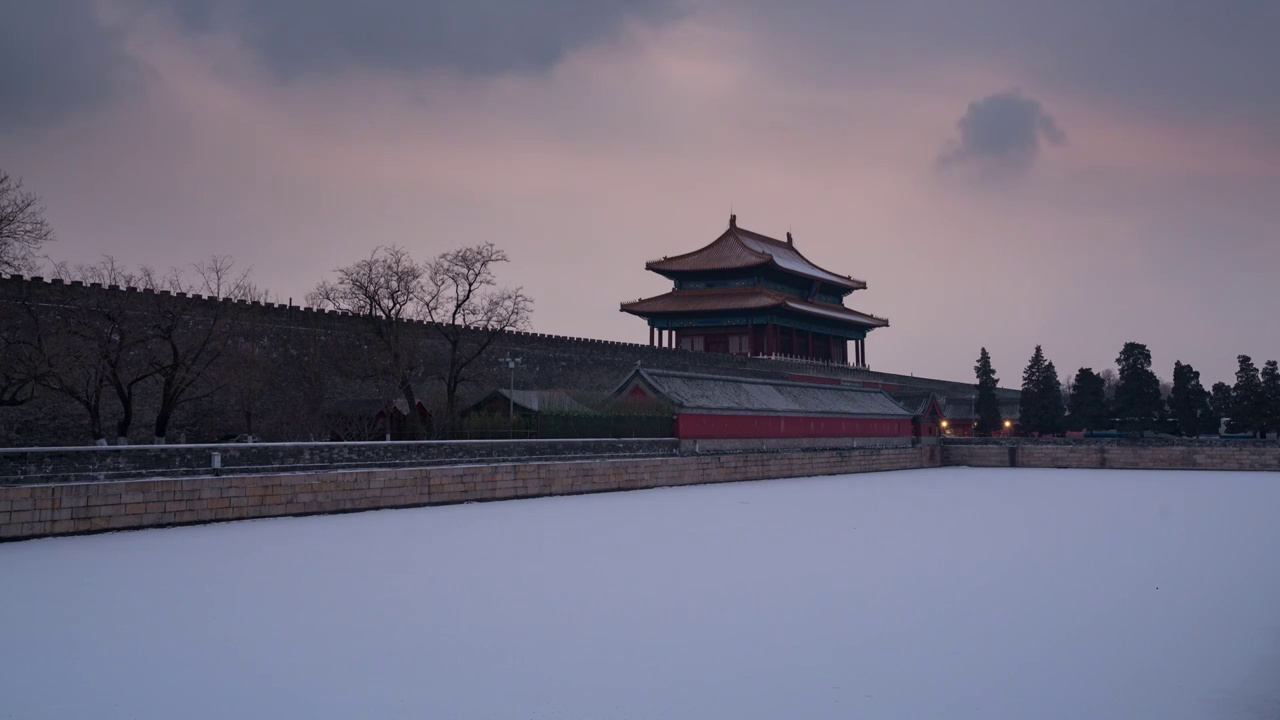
(949, 593)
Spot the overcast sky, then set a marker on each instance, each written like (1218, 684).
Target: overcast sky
(1001, 172)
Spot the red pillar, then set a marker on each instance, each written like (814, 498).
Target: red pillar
(795, 343)
(751, 331)
(810, 343)
(650, 336)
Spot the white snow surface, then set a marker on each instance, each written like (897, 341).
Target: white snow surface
(947, 593)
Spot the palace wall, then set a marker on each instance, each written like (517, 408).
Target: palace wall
(308, 362)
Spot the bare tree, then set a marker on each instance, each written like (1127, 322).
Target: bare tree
(22, 366)
(78, 371)
(386, 290)
(1110, 381)
(464, 304)
(23, 229)
(107, 322)
(192, 334)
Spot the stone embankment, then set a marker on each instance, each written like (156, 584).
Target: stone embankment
(62, 501)
(69, 508)
(1155, 454)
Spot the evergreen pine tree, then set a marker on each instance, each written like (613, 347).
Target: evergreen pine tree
(1271, 391)
(987, 404)
(1220, 403)
(1138, 392)
(1248, 401)
(1030, 406)
(1088, 402)
(1052, 411)
(1188, 400)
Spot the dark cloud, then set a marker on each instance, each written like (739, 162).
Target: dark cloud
(56, 57)
(1002, 133)
(300, 37)
(1189, 60)
(1192, 60)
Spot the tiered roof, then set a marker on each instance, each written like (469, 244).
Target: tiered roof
(749, 298)
(740, 248)
(736, 249)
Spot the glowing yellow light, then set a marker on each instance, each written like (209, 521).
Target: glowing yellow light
(1008, 423)
(945, 424)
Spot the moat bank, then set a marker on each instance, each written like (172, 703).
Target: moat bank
(72, 508)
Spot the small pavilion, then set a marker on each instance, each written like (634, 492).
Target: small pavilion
(750, 294)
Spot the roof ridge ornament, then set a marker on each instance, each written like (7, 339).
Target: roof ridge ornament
(789, 240)
(733, 221)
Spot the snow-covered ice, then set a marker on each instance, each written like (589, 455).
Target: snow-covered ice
(948, 593)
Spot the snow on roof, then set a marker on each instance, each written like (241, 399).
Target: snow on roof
(741, 248)
(965, 408)
(544, 400)
(917, 402)
(691, 392)
(788, 258)
(748, 298)
(838, 313)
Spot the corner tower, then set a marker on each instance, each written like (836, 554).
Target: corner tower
(750, 294)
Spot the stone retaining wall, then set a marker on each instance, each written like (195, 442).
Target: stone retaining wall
(1160, 441)
(1137, 456)
(70, 508)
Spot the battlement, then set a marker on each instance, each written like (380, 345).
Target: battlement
(18, 288)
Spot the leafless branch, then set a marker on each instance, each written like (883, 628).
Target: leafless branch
(23, 228)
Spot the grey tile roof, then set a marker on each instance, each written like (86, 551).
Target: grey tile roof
(962, 408)
(544, 400)
(916, 402)
(691, 392)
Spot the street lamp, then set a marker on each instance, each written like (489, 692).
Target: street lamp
(511, 362)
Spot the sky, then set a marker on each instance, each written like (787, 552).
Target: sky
(1002, 173)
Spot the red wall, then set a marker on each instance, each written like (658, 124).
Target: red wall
(719, 427)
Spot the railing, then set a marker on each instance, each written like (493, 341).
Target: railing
(809, 361)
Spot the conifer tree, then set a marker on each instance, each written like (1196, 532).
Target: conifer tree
(1248, 401)
(1220, 404)
(1138, 392)
(1031, 404)
(1271, 391)
(987, 404)
(1188, 400)
(1088, 402)
(1052, 410)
